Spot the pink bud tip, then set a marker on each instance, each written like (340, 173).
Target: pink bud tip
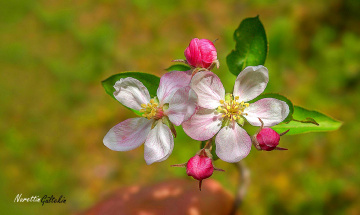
(199, 167)
(200, 53)
(268, 139)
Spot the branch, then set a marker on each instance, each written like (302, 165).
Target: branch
(244, 183)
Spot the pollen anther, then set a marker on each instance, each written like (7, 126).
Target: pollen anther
(152, 110)
(232, 109)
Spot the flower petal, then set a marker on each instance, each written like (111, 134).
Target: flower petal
(170, 82)
(232, 143)
(128, 134)
(208, 52)
(193, 54)
(182, 105)
(208, 88)
(251, 82)
(203, 125)
(271, 111)
(159, 144)
(131, 93)
(191, 104)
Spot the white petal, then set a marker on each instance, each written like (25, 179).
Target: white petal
(232, 143)
(182, 105)
(251, 82)
(208, 88)
(131, 93)
(159, 144)
(271, 111)
(203, 125)
(128, 134)
(170, 82)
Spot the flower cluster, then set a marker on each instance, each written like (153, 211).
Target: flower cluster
(197, 101)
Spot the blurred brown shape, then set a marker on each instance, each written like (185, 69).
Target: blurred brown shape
(174, 197)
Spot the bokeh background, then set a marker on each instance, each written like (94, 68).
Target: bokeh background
(55, 113)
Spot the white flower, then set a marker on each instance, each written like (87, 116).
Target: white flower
(221, 114)
(175, 102)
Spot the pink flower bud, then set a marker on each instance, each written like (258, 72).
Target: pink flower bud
(200, 53)
(199, 167)
(267, 139)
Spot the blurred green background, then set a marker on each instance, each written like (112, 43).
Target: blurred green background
(55, 113)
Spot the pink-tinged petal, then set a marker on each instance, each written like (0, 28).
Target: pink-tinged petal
(159, 144)
(182, 105)
(232, 143)
(177, 107)
(203, 125)
(208, 52)
(251, 82)
(271, 111)
(208, 88)
(170, 82)
(191, 105)
(193, 54)
(131, 93)
(128, 134)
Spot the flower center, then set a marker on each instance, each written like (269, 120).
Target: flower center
(231, 108)
(152, 110)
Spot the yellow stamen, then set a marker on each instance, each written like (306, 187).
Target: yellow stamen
(151, 110)
(232, 109)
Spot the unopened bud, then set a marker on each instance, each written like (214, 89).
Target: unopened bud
(200, 166)
(267, 139)
(201, 53)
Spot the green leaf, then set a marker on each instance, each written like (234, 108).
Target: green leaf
(279, 97)
(178, 67)
(251, 46)
(305, 121)
(151, 82)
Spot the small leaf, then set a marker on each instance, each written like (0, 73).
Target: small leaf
(151, 82)
(251, 46)
(213, 150)
(279, 97)
(178, 67)
(306, 120)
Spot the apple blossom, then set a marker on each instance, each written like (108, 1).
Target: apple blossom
(225, 114)
(175, 102)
